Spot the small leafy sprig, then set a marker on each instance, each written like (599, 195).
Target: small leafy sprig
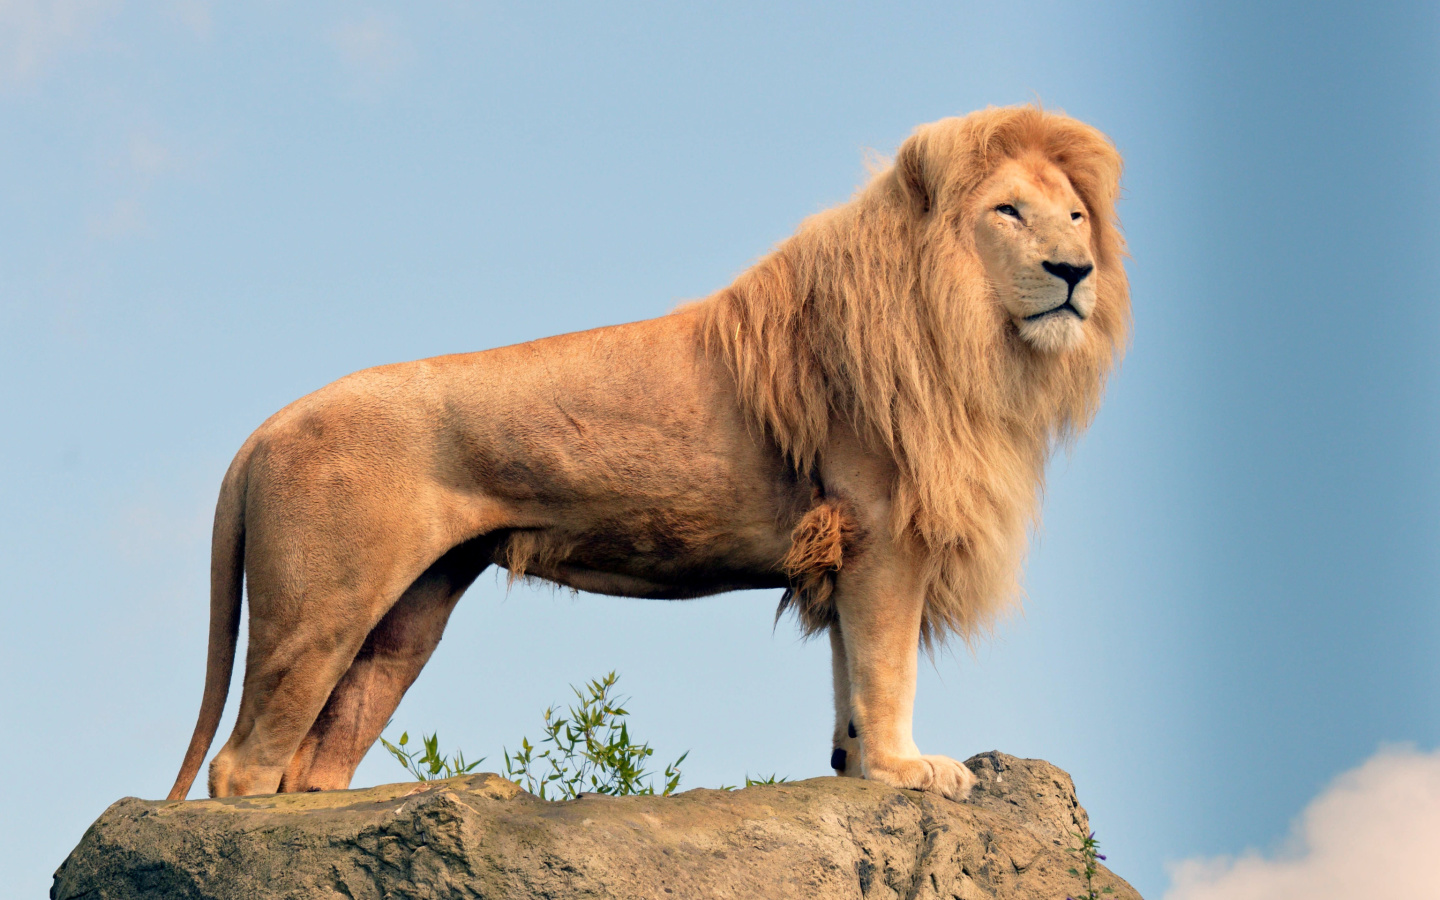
(772, 778)
(589, 751)
(1090, 856)
(429, 765)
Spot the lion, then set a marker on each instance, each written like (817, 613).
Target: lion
(862, 418)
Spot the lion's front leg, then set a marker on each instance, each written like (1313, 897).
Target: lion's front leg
(845, 743)
(879, 601)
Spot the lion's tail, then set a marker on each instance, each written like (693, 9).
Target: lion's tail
(227, 568)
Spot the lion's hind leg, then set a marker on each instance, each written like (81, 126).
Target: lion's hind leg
(287, 681)
(388, 663)
(314, 602)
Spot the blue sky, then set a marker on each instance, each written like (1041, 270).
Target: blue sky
(210, 210)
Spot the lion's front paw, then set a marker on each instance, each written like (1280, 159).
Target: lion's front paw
(940, 774)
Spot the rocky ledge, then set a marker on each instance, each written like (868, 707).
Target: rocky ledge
(481, 836)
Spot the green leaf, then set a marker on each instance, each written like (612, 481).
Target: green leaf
(586, 747)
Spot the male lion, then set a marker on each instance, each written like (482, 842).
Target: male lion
(863, 418)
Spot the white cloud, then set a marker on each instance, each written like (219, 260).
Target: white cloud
(121, 219)
(34, 32)
(163, 528)
(1373, 833)
(372, 49)
(148, 157)
(144, 160)
(195, 15)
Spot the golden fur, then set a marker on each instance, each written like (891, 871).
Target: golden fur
(862, 417)
(885, 318)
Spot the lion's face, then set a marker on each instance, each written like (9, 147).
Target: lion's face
(1033, 235)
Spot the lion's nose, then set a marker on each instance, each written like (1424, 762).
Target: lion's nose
(1071, 275)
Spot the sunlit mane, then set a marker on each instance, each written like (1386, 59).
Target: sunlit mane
(878, 312)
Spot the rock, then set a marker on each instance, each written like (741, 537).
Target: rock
(480, 836)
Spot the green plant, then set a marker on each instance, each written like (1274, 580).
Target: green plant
(1090, 856)
(772, 778)
(429, 764)
(589, 751)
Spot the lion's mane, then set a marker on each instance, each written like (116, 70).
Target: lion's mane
(878, 313)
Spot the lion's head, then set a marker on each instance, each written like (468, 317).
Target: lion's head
(1033, 235)
(1030, 196)
(962, 313)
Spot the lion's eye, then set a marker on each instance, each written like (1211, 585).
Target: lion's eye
(1006, 209)
(1075, 217)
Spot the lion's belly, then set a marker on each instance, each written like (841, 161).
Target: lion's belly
(662, 555)
(666, 581)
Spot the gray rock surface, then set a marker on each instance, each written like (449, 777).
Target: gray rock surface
(480, 836)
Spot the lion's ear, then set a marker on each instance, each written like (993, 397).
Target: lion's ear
(910, 172)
